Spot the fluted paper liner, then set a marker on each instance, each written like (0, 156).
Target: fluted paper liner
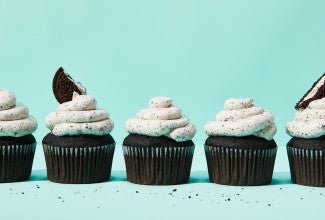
(79, 164)
(158, 165)
(307, 167)
(16, 162)
(240, 167)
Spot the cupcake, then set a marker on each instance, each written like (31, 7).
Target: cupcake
(17, 144)
(79, 148)
(240, 149)
(306, 148)
(159, 149)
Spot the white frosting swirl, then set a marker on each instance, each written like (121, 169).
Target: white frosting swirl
(241, 118)
(79, 117)
(309, 122)
(161, 119)
(14, 117)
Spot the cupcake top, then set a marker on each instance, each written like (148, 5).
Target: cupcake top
(162, 118)
(79, 116)
(241, 118)
(15, 120)
(309, 122)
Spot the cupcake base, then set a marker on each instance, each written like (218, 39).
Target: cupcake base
(157, 160)
(307, 161)
(16, 160)
(240, 161)
(78, 159)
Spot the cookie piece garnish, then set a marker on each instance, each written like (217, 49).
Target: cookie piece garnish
(317, 91)
(64, 86)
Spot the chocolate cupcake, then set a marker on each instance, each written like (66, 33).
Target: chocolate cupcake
(17, 144)
(240, 149)
(159, 149)
(306, 149)
(79, 148)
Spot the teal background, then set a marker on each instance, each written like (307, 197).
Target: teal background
(198, 52)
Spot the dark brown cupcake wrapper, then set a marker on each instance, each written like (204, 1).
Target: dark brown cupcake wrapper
(307, 166)
(16, 162)
(158, 165)
(79, 164)
(240, 167)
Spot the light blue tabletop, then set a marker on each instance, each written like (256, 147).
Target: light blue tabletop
(40, 199)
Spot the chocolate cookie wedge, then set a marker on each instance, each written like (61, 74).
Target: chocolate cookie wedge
(64, 86)
(317, 91)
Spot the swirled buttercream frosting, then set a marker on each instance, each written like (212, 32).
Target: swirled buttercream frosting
(15, 120)
(241, 118)
(79, 116)
(309, 122)
(162, 118)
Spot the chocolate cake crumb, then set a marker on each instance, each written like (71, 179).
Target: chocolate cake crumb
(81, 140)
(312, 144)
(240, 142)
(137, 140)
(24, 140)
(174, 190)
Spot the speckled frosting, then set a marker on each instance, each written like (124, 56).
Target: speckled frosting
(79, 117)
(161, 119)
(14, 117)
(309, 122)
(241, 118)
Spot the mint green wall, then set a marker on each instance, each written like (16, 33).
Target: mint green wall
(199, 52)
